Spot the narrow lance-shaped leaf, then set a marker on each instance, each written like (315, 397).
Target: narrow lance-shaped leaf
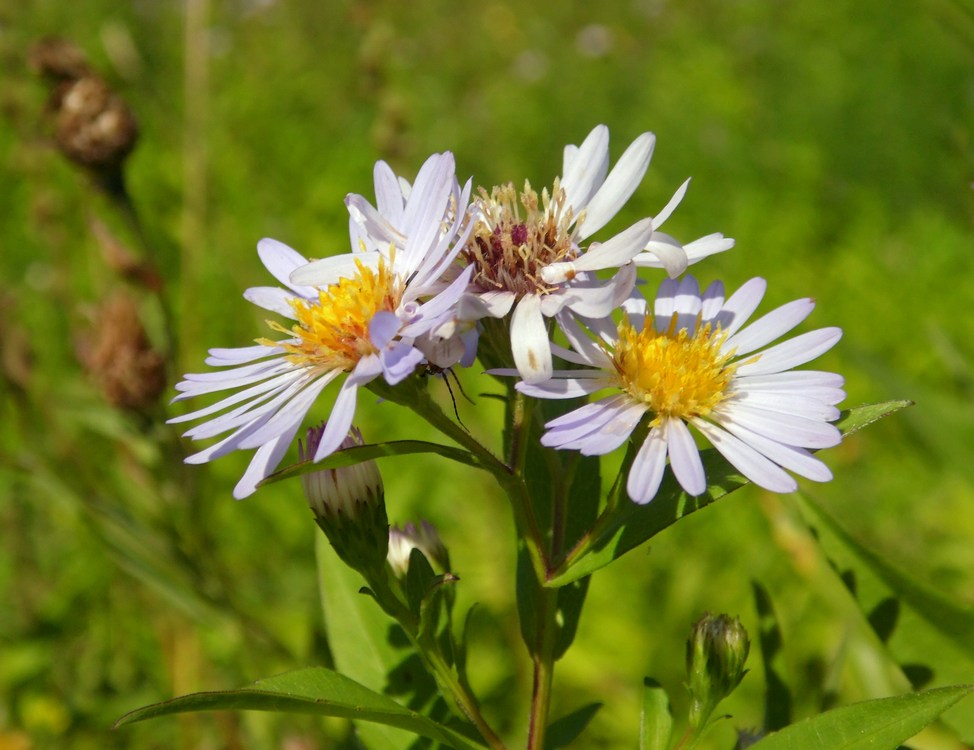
(777, 699)
(565, 730)
(872, 725)
(925, 632)
(632, 525)
(317, 691)
(363, 644)
(371, 451)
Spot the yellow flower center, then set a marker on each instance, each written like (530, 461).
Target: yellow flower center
(676, 373)
(333, 331)
(509, 249)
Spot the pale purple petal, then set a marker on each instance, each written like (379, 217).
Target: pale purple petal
(790, 353)
(383, 328)
(712, 301)
(665, 304)
(685, 458)
(293, 409)
(260, 391)
(373, 223)
(686, 303)
(399, 361)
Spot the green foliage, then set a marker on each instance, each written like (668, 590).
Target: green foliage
(880, 724)
(313, 691)
(835, 151)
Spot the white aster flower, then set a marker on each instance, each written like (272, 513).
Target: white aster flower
(692, 362)
(528, 254)
(357, 315)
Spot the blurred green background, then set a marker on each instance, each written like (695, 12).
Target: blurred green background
(832, 140)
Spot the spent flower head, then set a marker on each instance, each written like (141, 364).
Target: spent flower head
(355, 317)
(692, 362)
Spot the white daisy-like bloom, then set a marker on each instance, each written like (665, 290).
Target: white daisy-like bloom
(692, 362)
(528, 255)
(357, 315)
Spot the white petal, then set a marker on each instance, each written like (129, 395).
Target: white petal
(670, 207)
(616, 251)
(265, 460)
(662, 251)
(791, 353)
(707, 246)
(588, 168)
(529, 340)
(293, 409)
(271, 298)
(769, 327)
(618, 186)
(647, 468)
(741, 304)
(388, 194)
(785, 428)
(797, 460)
(339, 421)
(240, 355)
(685, 458)
(796, 403)
(757, 468)
(281, 260)
(328, 271)
(598, 302)
(563, 387)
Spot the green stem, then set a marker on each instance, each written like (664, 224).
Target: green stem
(544, 668)
(429, 650)
(509, 480)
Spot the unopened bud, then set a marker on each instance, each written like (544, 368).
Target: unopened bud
(95, 128)
(716, 652)
(348, 504)
(425, 538)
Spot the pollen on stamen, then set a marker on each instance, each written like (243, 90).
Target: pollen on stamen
(332, 331)
(509, 246)
(676, 373)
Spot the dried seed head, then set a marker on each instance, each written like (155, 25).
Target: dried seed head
(94, 127)
(120, 358)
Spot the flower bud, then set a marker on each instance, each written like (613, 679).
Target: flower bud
(348, 504)
(716, 652)
(425, 538)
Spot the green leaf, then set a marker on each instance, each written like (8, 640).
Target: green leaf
(368, 646)
(656, 724)
(564, 731)
(777, 698)
(308, 691)
(371, 451)
(872, 725)
(632, 525)
(926, 633)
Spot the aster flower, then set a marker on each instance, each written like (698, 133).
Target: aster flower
(528, 254)
(359, 317)
(693, 362)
